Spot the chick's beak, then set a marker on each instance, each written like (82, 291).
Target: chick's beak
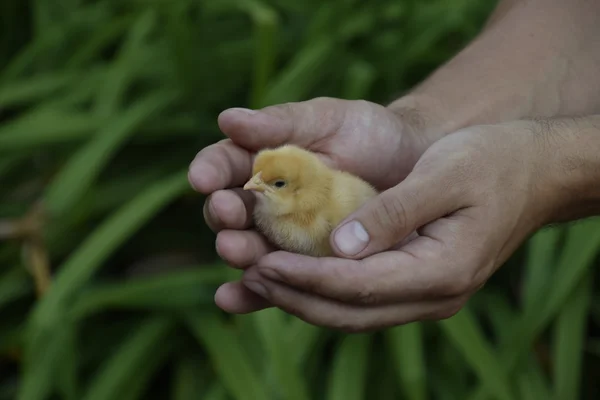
(255, 183)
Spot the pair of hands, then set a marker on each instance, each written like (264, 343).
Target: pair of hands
(451, 211)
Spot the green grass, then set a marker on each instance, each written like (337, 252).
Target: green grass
(103, 104)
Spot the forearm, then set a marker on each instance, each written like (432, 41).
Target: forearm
(534, 58)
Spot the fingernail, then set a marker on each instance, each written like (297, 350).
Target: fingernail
(257, 288)
(351, 238)
(244, 110)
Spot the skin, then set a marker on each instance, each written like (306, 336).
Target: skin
(452, 160)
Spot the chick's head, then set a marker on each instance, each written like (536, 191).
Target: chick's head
(289, 179)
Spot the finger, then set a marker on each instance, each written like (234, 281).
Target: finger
(241, 249)
(441, 266)
(229, 209)
(300, 123)
(346, 317)
(384, 278)
(395, 213)
(220, 166)
(235, 298)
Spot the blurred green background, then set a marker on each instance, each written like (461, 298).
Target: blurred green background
(107, 271)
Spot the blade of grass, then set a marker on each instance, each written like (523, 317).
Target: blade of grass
(67, 382)
(272, 327)
(44, 126)
(138, 385)
(569, 335)
(39, 377)
(540, 263)
(17, 93)
(52, 37)
(272, 324)
(347, 380)
(98, 42)
(179, 289)
(406, 345)
(186, 380)
(582, 246)
(85, 165)
(14, 284)
(532, 382)
(464, 332)
(132, 356)
(301, 74)
(110, 95)
(359, 78)
(266, 24)
(215, 392)
(301, 340)
(83, 262)
(228, 357)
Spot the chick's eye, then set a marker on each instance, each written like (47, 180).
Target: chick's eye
(279, 184)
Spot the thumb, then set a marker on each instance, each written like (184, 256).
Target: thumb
(393, 215)
(300, 123)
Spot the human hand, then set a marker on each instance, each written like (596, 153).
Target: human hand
(360, 137)
(473, 197)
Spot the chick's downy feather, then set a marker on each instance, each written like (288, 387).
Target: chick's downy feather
(300, 200)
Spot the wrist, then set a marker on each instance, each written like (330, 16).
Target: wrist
(568, 154)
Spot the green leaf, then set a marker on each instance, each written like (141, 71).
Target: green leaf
(40, 372)
(569, 334)
(14, 284)
(228, 357)
(300, 76)
(17, 93)
(173, 290)
(94, 250)
(215, 392)
(301, 340)
(581, 248)
(187, 383)
(272, 327)
(359, 79)
(532, 383)
(406, 345)
(96, 43)
(128, 359)
(119, 77)
(348, 375)
(266, 24)
(68, 384)
(464, 332)
(45, 125)
(85, 165)
(540, 263)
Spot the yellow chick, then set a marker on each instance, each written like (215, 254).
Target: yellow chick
(300, 200)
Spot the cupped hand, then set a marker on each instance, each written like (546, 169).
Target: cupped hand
(473, 197)
(361, 137)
